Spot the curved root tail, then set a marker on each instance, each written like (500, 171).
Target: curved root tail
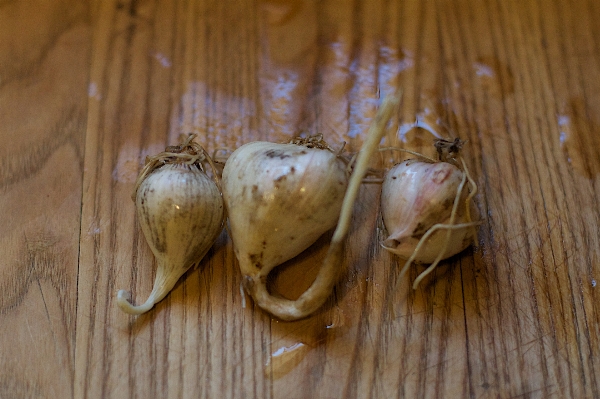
(123, 300)
(311, 300)
(165, 280)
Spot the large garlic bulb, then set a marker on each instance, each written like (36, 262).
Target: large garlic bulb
(280, 199)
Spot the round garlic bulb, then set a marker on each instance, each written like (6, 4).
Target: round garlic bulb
(280, 199)
(417, 195)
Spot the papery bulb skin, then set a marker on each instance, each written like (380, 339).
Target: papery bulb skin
(415, 196)
(280, 198)
(180, 210)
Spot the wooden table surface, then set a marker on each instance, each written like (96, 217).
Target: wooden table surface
(88, 89)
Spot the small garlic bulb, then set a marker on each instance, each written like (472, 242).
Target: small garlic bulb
(425, 210)
(180, 211)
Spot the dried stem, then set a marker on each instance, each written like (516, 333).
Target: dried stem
(376, 131)
(448, 149)
(189, 152)
(315, 141)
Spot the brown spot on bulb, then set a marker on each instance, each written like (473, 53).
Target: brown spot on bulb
(256, 260)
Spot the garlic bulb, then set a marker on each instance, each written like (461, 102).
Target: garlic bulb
(415, 195)
(280, 199)
(180, 211)
(426, 211)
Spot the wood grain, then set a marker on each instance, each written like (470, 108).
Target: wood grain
(44, 66)
(87, 90)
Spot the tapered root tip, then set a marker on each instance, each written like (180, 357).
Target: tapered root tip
(123, 300)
